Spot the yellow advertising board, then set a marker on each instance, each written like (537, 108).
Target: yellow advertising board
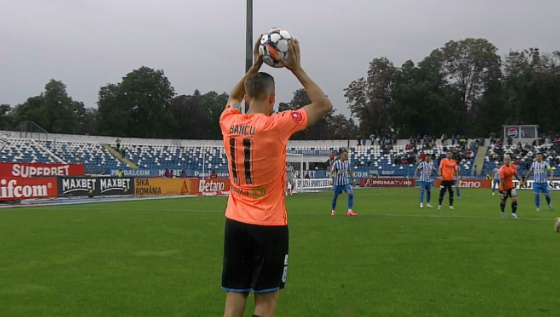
(144, 187)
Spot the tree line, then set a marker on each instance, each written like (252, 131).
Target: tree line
(464, 88)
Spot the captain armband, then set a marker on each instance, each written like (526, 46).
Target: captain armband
(234, 106)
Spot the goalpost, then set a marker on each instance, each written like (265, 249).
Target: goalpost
(296, 160)
(304, 184)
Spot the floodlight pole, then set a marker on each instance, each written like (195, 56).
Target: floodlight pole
(249, 41)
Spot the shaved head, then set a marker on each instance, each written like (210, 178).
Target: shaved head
(259, 86)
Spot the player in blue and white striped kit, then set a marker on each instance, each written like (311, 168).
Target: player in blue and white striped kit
(540, 185)
(426, 182)
(341, 182)
(496, 179)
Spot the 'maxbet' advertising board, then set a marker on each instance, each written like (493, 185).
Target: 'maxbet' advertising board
(387, 182)
(25, 170)
(84, 186)
(27, 188)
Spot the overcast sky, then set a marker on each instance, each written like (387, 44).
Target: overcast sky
(201, 44)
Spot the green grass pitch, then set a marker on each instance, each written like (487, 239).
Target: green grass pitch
(164, 258)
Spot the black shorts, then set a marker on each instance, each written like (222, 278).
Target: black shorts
(447, 184)
(508, 193)
(255, 258)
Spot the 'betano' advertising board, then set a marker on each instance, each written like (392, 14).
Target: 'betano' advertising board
(26, 170)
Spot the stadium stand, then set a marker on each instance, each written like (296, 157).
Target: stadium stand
(91, 154)
(522, 155)
(401, 161)
(25, 151)
(198, 155)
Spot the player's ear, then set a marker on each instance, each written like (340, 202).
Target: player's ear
(272, 100)
(246, 99)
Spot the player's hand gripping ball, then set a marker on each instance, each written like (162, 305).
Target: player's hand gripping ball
(275, 47)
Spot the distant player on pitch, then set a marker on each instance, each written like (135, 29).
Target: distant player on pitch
(256, 228)
(448, 172)
(507, 187)
(290, 180)
(539, 169)
(341, 182)
(426, 182)
(496, 179)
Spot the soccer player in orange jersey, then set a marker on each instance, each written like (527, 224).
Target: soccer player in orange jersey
(507, 188)
(256, 229)
(448, 172)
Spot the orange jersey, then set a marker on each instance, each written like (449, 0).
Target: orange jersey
(255, 146)
(448, 168)
(507, 173)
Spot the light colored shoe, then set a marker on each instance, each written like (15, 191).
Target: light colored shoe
(421, 205)
(351, 213)
(503, 214)
(550, 207)
(429, 206)
(514, 216)
(439, 207)
(333, 213)
(538, 209)
(493, 193)
(451, 207)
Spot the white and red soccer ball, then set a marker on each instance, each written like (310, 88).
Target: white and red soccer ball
(274, 46)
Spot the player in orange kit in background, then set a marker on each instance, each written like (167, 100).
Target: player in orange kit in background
(256, 229)
(448, 172)
(507, 188)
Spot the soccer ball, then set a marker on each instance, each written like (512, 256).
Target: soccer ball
(557, 225)
(274, 47)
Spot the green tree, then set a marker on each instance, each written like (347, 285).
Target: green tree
(139, 106)
(30, 110)
(470, 66)
(532, 88)
(318, 131)
(6, 117)
(198, 115)
(369, 98)
(339, 128)
(213, 103)
(58, 109)
(113, 115)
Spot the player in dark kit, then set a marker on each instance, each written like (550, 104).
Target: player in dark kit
(256, 230)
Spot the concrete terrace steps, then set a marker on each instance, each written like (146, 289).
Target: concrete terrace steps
(118, 156)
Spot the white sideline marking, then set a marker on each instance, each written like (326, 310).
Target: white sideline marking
(304, 213)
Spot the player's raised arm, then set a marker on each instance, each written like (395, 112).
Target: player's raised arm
(320, 105)
(238, 91)
(551, 172)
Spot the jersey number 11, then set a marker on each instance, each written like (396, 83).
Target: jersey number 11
(247, 143)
